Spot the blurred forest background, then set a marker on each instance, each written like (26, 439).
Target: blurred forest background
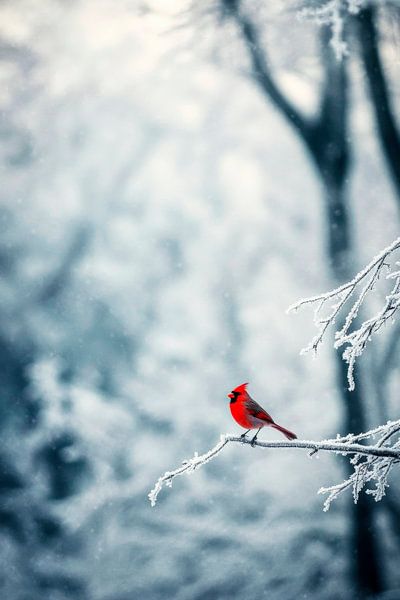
(173, 176)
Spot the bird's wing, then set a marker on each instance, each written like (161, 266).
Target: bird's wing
(257, 411)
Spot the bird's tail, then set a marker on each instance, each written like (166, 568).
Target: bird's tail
(286, 432)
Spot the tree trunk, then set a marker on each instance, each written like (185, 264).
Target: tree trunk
(364, 555)
(387, 129)
(326, 139)
(365, 565)
(339, 248)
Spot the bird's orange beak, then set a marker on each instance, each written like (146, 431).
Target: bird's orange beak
(231, 395)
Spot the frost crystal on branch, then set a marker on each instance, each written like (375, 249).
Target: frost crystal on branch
(357, 289)
(370, 462)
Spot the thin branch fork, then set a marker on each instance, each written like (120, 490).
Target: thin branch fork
(340, 447)
(359, 288)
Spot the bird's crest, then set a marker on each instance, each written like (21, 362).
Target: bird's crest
(240, 389)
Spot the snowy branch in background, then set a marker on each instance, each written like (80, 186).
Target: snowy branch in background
(357, 289)
(334, 14)
(372, 462)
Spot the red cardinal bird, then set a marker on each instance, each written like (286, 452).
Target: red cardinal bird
(251, 415)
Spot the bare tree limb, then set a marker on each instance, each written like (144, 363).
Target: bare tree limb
(262, 75)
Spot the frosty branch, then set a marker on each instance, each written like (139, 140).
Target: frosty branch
(334, 13)
(371, 462)
(357, 289)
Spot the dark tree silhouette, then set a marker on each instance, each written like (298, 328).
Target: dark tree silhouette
(388, 132)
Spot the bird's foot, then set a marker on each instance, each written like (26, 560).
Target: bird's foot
(253, 442)
(243, 436)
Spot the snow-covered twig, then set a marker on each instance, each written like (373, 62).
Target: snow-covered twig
(355, 341)
(188, 466)
(371, 462)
